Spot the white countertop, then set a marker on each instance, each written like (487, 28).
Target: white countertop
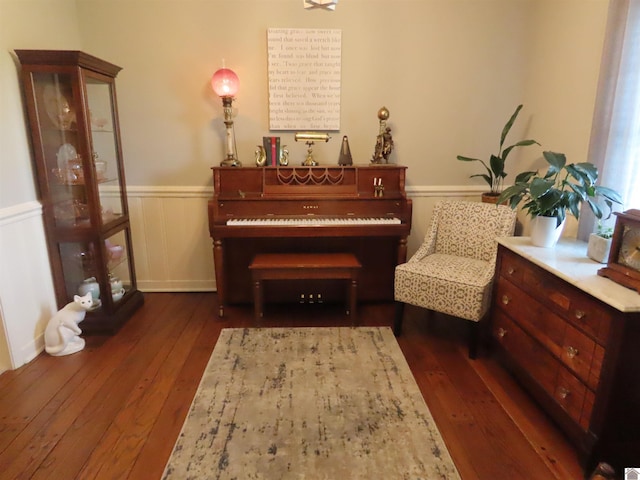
(568, 260)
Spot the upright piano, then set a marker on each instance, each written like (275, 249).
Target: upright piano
(362, 210)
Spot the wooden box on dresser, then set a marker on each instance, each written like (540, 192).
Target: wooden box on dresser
(572, 339)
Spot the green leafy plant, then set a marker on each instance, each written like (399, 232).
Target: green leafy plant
(604, 231)
(495, 170)
(563, 187)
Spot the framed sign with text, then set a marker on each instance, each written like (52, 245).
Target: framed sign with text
(304, 78)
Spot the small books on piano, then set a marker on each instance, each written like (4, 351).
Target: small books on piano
(272, 148)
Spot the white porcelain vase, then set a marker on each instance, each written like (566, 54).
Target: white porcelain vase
(545, 232)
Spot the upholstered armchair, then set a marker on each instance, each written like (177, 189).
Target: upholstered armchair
(452, 271)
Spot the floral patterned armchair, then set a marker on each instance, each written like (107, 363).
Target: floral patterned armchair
(452, 271)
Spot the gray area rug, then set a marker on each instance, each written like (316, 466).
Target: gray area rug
(309, 403)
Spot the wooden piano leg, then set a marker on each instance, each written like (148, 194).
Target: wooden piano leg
(402, 250)
(353, 299)
(258, 299)
(218, 260)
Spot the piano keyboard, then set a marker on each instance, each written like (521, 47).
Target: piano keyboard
(313, 221)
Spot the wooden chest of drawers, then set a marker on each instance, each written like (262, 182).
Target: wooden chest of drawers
(575, 353)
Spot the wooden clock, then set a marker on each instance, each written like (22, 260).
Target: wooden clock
(623, 266)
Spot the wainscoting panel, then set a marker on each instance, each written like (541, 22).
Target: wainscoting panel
(171, 242)
(27, 299)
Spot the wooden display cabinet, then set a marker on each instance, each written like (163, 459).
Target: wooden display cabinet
(73, 122)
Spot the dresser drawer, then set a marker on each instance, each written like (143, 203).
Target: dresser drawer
(559, 383)
(511, 267)
(531, 316)
(574, 398)
(526, 352)
(573, 305)
(576, 350)
(578, 354)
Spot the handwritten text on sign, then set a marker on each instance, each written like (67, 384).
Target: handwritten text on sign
(304, 78)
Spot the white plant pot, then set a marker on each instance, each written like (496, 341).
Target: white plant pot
(598, 248)
(544, 232)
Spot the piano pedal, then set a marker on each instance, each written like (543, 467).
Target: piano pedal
(310, 298)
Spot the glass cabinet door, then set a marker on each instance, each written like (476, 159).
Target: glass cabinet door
(55, 103)
(81, 265)
(69, 181)
(105, 152)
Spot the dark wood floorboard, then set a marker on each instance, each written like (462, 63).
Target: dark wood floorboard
(114, 410)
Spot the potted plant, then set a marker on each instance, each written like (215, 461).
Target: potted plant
(600, 243)
(495, 171)
(562, 188)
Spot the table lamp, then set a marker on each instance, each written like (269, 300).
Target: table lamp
(225, 83)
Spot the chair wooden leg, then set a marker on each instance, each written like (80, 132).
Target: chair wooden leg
(474, 338)
(397, 321)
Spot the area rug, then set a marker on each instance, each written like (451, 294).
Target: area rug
(309, 403)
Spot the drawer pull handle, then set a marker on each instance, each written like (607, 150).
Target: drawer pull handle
(501, 332)
(510, 270)
(563, 393)
(572, 352)
(505, 299)
(580, 314)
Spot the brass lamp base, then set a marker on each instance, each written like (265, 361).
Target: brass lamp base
(230, 162)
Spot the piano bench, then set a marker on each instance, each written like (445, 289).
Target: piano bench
(305, 266)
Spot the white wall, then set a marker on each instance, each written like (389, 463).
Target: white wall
(26, 290)
(563, 63)
(449, 71)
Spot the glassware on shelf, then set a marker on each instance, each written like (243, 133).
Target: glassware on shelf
(117, 288)
(70, 172)
(108, 215)
(115, 251)
(71, 212)
(65, 153)
(74, 166)
(101, 168)
(58, 108)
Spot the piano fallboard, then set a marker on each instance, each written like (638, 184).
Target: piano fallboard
(296, 194)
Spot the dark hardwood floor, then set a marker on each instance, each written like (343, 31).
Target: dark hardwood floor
(115, 409)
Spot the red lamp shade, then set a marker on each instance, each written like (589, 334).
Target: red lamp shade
(225, 82)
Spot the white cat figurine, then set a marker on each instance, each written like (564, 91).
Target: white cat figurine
(61, 336)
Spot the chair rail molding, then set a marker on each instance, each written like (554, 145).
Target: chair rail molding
(26, 289)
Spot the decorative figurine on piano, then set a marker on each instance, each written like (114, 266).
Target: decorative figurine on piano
(309, 138)
(261, 156)
(284, 156)
(384, 140)
(345, 153)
